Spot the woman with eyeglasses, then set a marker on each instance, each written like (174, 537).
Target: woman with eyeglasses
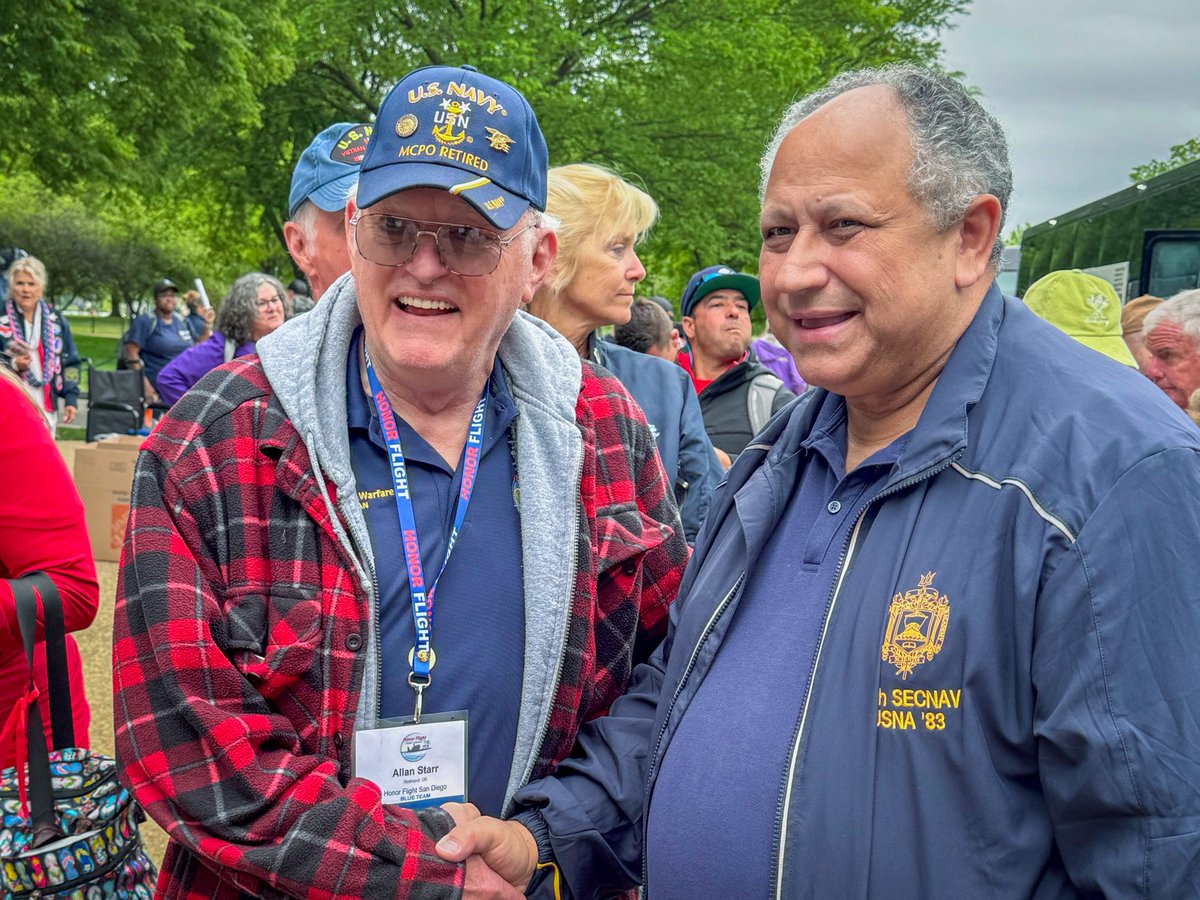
(601, 218)
(252, 309)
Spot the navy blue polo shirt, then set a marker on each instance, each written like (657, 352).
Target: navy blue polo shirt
(479, 608)
(159, 342)
(713, 816)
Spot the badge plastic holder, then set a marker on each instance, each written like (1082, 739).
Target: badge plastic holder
(408, 760)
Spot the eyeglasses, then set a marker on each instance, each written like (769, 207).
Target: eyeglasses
(270, 301)
(463, 249)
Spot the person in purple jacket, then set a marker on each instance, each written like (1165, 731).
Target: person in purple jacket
(775, 357)
(252, 309)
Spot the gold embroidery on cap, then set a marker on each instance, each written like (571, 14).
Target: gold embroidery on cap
(452, 114)
(498, 140)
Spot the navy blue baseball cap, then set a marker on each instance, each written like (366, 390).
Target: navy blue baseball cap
(454, 128)
(328, 167)
(716, 278)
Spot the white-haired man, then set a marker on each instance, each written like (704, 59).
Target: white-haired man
(322, 183)
(1172, 341)
(419, 512)
(938, 636)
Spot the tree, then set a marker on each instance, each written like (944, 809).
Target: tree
(1181, 154)
(195, 111)
(108, 91)
(678, 97)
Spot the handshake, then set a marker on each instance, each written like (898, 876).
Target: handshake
(500, 856)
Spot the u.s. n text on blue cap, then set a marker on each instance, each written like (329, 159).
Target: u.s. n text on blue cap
(328, 167)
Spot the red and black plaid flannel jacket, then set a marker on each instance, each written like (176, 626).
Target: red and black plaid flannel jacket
(239, 633)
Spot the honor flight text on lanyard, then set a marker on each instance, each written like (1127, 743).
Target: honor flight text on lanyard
(422, 658)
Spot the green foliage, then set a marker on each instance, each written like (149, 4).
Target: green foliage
(1181, 154)
(113, 251)
(1014, 237)
(184, 119)
(105, 90)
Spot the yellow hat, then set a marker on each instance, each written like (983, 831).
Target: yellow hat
(1084, 307)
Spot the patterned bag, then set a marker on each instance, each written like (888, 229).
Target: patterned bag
(72, 831)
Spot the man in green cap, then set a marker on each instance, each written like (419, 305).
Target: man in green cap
(738, 394)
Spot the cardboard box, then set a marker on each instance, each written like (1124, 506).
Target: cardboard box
(103, 477)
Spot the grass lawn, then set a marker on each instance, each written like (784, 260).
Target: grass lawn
(100, 346)
(102, 350)
(103, 326)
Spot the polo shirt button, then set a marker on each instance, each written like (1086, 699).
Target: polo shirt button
(834, 506)
(354, 642)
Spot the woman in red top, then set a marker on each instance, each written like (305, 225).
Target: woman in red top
(41, 529)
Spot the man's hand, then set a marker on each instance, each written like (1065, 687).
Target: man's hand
(507, 848)
(68, 414)
(481, 883)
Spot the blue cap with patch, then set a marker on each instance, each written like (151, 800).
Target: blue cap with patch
(453, 128)
(328, 167)
(716, 278)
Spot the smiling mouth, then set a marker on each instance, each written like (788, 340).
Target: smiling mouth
(422, 306)
(825, 321)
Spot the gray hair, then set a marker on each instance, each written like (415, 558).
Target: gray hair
(959, 149)
(306, 220)
(239, 308)
(1183, 309)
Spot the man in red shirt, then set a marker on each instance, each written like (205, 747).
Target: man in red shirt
(737, 393)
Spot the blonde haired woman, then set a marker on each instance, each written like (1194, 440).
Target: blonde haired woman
(601, 218)
(36, 342)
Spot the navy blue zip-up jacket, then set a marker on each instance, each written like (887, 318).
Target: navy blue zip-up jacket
(665, 394)
(1005, 701)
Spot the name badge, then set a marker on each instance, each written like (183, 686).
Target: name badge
(416, 765)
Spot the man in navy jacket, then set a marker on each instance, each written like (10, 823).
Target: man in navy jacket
(938, 636)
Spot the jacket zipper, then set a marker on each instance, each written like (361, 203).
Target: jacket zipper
(844, 561)
(566, 632)
(95, 876)
(708, 628)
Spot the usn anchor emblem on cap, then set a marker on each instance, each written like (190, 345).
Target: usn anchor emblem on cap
(406, 125)
(452, 114)
(916, 626)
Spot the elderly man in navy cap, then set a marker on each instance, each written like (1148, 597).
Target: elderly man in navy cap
(418, 517)
(322, 182)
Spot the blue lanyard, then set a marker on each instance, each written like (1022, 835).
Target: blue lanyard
(423, 657)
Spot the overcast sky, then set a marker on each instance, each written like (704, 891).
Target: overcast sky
(1085, 89)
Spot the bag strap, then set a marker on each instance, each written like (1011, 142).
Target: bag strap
(41, 795)
(230, 349)
(58, 679)
(759, 398)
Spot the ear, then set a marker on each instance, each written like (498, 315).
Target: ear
(541, 264)
(689, 328)
(297, 246)
(976, 238)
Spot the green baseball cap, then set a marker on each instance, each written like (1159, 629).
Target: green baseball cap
(1084, 307)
